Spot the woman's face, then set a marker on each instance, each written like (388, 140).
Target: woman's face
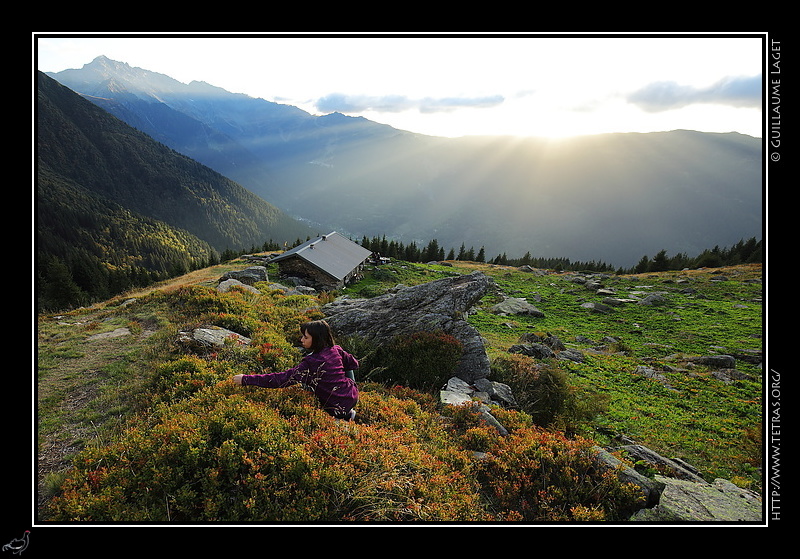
(306, 340)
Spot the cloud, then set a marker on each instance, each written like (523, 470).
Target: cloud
(340, 102)
(733, 91)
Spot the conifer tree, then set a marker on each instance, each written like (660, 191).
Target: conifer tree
(642, 265)
(659, 263)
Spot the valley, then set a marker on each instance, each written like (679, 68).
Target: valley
(611, 198)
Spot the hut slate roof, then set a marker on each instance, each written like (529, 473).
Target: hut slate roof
(334, 254)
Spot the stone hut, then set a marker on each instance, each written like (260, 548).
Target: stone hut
(327, 262)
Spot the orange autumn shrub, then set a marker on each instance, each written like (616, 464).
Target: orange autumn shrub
(537, 475)
(255, 455)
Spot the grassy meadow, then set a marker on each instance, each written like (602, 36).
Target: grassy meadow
(131, 428)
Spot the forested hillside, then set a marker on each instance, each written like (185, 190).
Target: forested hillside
(116, 209)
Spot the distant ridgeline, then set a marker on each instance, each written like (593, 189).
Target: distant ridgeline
(606, 198)
(117, 209)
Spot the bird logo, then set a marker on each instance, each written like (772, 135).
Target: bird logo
(18, 545)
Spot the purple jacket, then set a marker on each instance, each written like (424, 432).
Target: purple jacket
(323, 373)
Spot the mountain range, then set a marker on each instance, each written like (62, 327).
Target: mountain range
(115, 209)
(611, 198)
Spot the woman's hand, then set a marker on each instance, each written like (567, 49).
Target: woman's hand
(237, 379)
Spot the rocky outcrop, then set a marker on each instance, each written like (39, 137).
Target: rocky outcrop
(439, 305)
(673, 467)
(458, 392)
(249, 275)
(545, 347)
(680, 495)
(209, 338)
(242, 279)
(483, 394)
(516, 305)
(690, 501)
(246, 278)
(226, 285)
(651, 489)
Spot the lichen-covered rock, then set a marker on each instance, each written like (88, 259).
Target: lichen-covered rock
(689, 501)
(249, 275)
(209, 337)
(516, 305)
(228, 284)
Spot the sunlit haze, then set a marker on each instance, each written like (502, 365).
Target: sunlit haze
(451, 86)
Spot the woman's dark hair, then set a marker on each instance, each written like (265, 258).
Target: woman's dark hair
(320, 333)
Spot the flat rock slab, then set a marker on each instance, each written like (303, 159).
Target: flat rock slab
(689, 501)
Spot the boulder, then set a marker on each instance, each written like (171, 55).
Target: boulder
(535, 350)
(653, 300)
(676, 467)
(249, 275)
(439, 305)
(228, 284)
(651, 488)
(597, 307)
(571, 355)
(723, 361)
(516, 305)
(209, 338)
(458, 392)
(532, 270)
(683, 495)
(688, 501)
(551, 341)
(497, 392)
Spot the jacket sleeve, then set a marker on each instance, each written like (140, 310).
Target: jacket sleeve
(276, 380)
(348, 361)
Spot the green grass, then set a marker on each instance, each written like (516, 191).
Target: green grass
(703, 420)
(378, 279)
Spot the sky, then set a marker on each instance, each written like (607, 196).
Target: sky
(445, 85)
